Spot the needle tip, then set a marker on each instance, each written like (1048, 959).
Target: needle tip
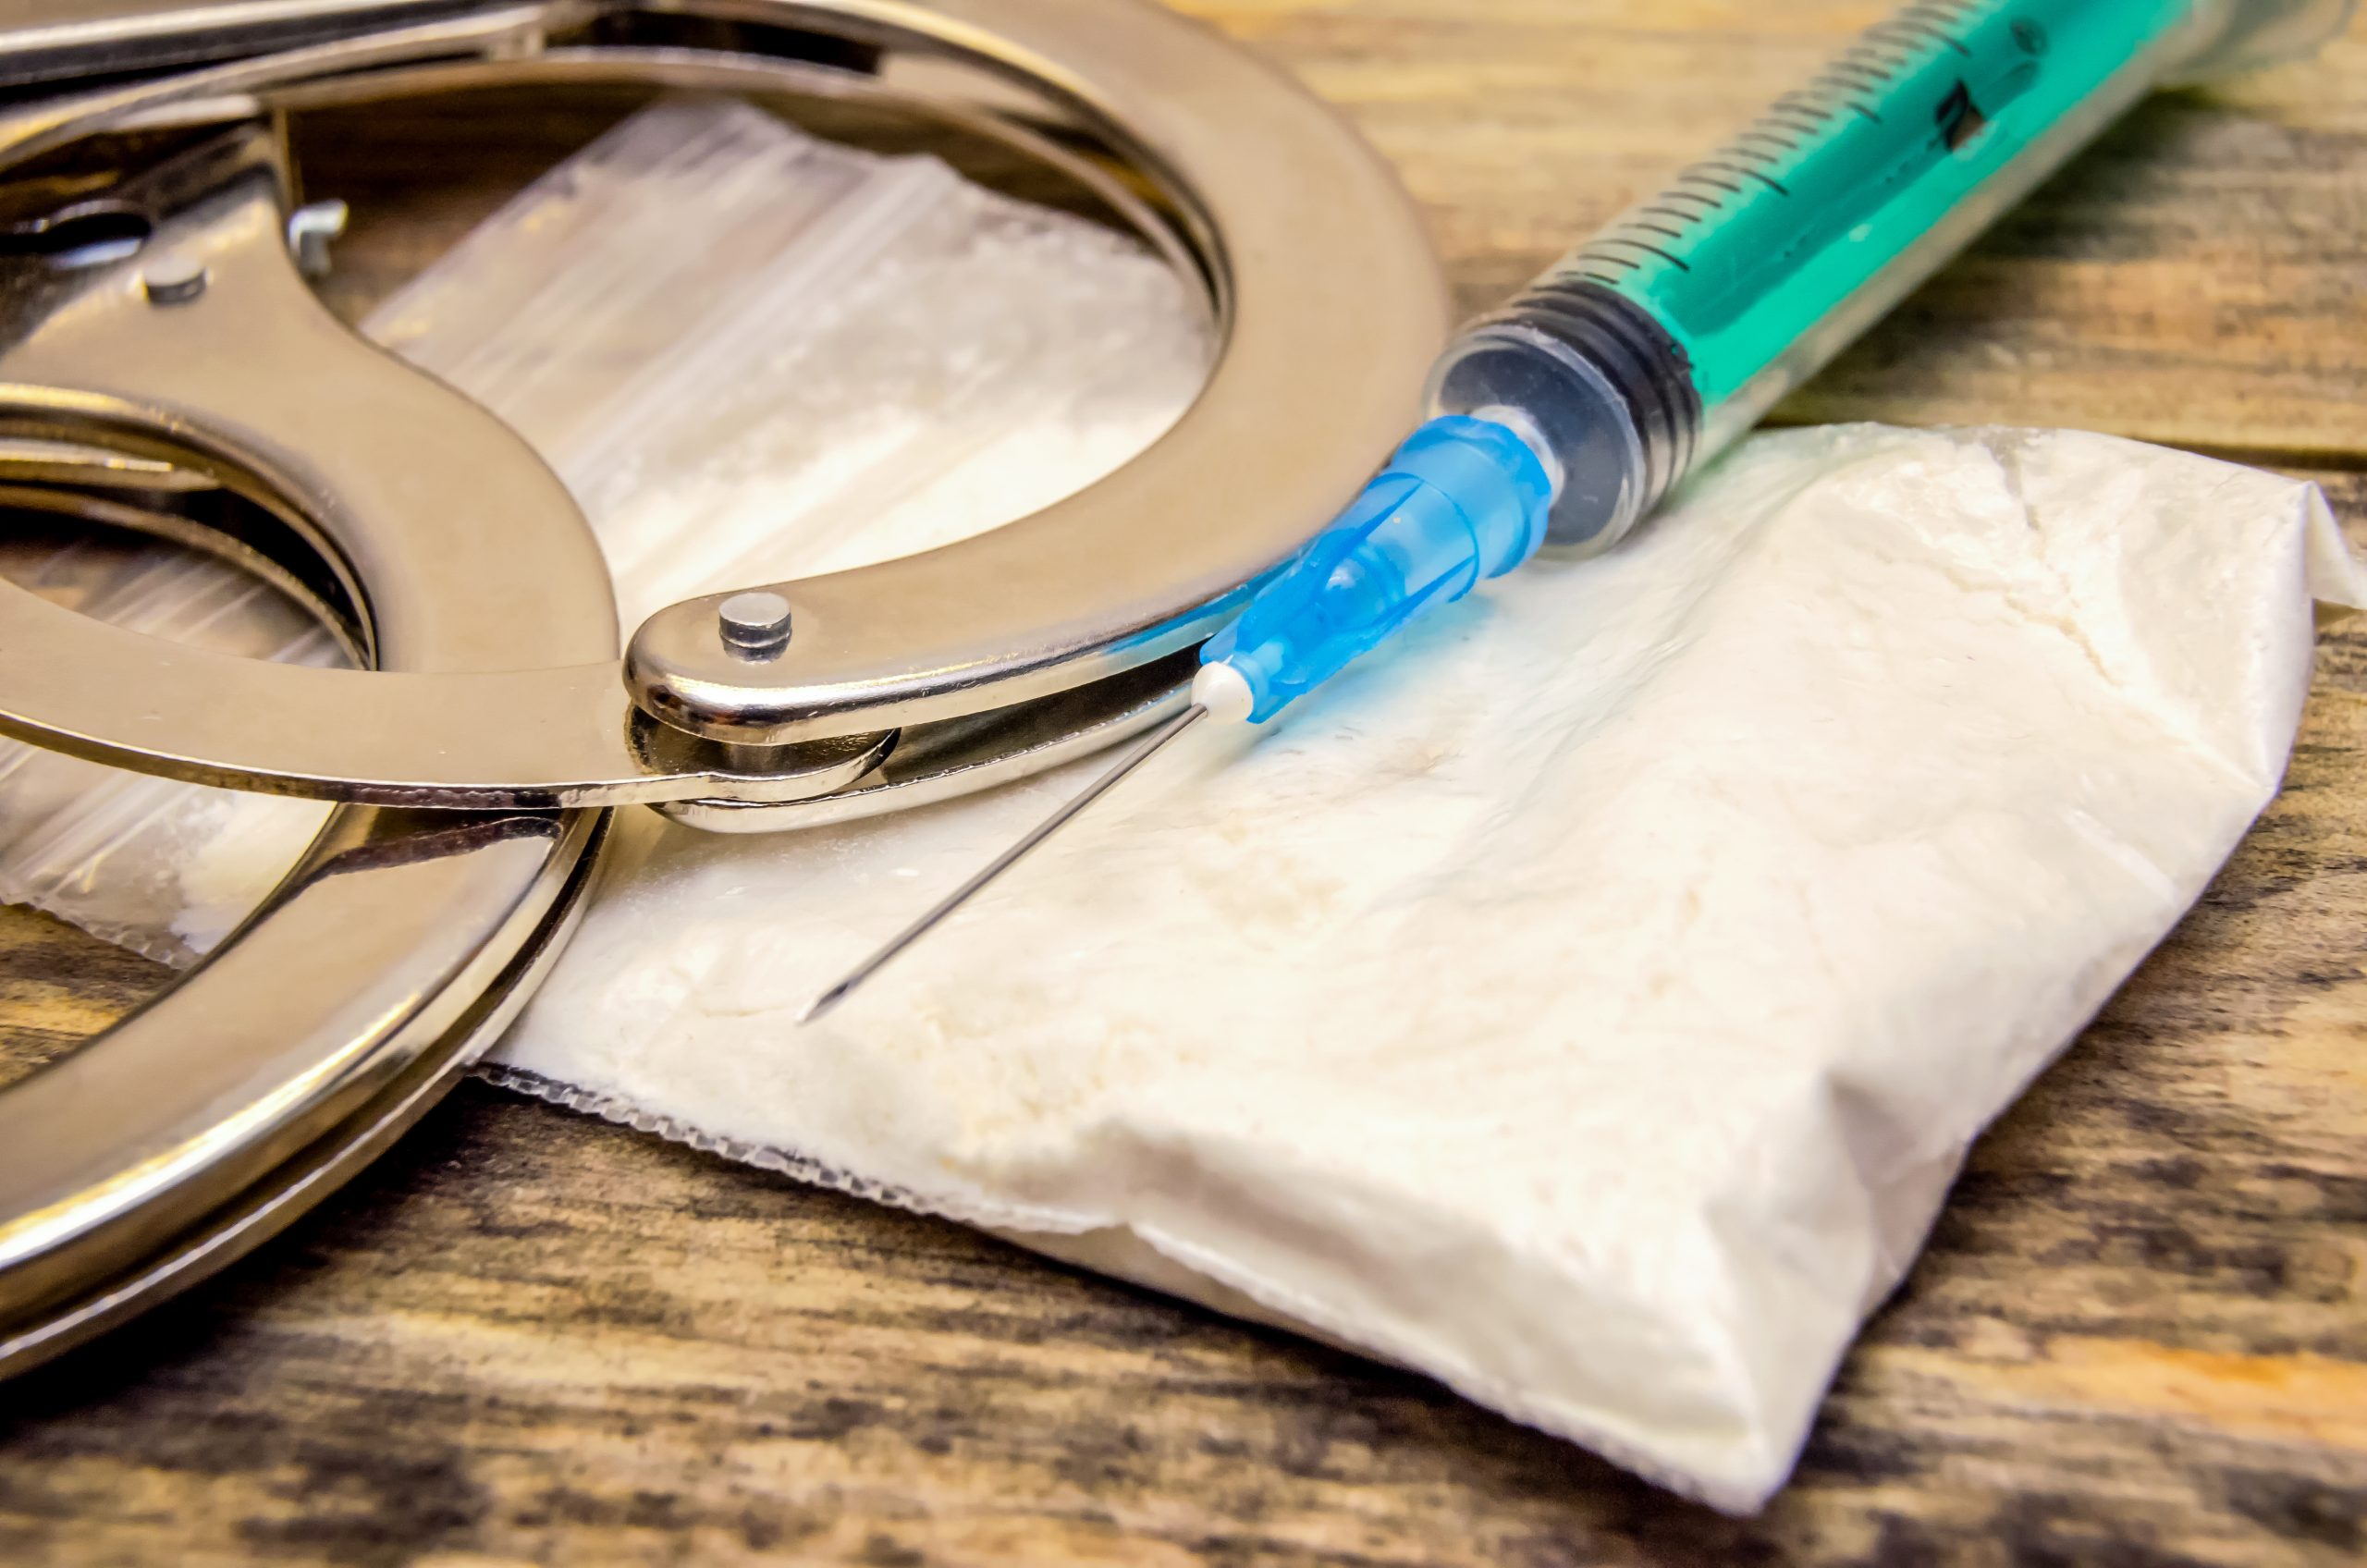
(824, 1003)
(1142, 753)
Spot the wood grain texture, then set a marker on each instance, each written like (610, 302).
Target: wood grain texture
(2138, 1338)
(2213, 236)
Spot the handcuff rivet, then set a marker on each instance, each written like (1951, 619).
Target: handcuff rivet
(309, 230)
(173, 278)
(754, 624)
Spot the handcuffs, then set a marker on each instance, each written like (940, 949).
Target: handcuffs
(165, 367)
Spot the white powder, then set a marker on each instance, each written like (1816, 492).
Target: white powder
(1585, 1001)
(1588, 1002)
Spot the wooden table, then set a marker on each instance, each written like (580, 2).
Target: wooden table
(2138, 1338)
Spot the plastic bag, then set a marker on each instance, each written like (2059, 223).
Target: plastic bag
(161, 867)
(751, 355)
(1586, 1001)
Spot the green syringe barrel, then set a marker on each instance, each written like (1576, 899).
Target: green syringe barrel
(1656, 342)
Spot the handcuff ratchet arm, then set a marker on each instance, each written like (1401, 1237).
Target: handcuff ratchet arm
(1328, 304)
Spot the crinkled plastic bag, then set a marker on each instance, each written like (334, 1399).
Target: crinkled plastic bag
(162, 868)
(750, 354)
(1588, 1001)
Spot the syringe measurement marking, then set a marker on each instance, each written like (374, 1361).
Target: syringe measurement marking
(1859, 110)
(1949, 20)
(1768, 180)
(1915, 27)
(1648, 249)
(1945, 14)
(1846, 68)
(1787, 134)
(1789, 129)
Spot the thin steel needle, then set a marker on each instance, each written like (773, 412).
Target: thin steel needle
(1144, 750)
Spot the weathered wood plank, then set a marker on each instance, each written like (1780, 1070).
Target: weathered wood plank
(2140, 1336)
(2214, 235)
(58, 987)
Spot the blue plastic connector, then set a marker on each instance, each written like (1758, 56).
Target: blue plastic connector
(1462, 500)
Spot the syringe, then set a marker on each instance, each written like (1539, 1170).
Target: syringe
(1565, 416)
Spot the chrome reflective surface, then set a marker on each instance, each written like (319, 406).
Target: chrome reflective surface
(45, 42)
(134, 388)
(1331, 308)
(1329, 303)
(937, 762)
(198, 1126)
(170, 1144)
(251, 383)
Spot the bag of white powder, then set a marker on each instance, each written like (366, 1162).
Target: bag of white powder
(1586, 1001)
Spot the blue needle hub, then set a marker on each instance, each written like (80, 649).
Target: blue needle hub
(1463, 499)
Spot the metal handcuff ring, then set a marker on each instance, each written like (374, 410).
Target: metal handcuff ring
(1329, 309)
(468, 582)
